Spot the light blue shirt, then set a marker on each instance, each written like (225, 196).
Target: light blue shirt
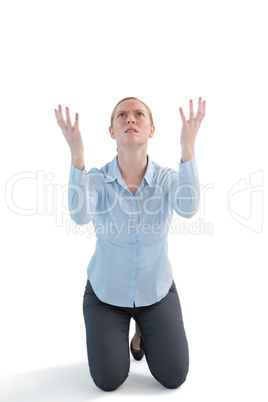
(130, 265)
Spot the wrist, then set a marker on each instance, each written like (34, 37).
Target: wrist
(78, 160)
(77, 154)
(187, 153)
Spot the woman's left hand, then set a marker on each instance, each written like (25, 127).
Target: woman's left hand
(190, 127)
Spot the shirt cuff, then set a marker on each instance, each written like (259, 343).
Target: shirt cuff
(76, 175)
(188, 171)
(186, 161)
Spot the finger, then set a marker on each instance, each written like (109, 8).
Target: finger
(182, 116)
(61, 118)
(56, 114)
(200, 109)
(204, 108)
(191, 109)
(76, 123)
(68, 117)
(203, 111)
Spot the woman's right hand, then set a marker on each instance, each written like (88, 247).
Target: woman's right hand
(71, 133)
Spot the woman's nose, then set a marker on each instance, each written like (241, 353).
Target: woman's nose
(130, 117)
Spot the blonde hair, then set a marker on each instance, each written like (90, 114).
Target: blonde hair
(132, 97)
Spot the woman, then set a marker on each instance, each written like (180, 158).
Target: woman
(131, 201)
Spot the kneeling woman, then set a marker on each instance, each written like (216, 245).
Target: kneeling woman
(130, 201)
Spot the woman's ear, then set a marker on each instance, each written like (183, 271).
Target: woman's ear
(152, 132)
(111, 132)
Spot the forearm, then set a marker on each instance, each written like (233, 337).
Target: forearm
(187, 153)
(184, 188)
(78, 161)
(82, 194)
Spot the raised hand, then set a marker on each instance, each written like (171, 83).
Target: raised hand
(71, 133)
(190, 127)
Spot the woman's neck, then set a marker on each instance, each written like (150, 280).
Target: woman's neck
(132, 163)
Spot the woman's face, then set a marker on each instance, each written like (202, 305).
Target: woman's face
(131, 114)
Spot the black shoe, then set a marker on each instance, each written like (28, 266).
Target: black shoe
(137, 354)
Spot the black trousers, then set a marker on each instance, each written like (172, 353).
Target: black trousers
(163, 340)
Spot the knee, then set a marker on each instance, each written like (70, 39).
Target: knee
(174, 380)
(109, 383)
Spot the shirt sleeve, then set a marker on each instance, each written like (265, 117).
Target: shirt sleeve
(184, 188)
(84, 190)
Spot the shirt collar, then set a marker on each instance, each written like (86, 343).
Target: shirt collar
(114, 172)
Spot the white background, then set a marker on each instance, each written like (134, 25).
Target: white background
(88, 55)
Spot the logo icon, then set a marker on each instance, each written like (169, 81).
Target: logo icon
(245, 201)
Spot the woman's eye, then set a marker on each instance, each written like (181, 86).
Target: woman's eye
(122, 114)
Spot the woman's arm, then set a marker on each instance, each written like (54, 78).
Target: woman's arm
(190, 128)
(184, 188)
(84, 192)
(84, 187)
(78, 161)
